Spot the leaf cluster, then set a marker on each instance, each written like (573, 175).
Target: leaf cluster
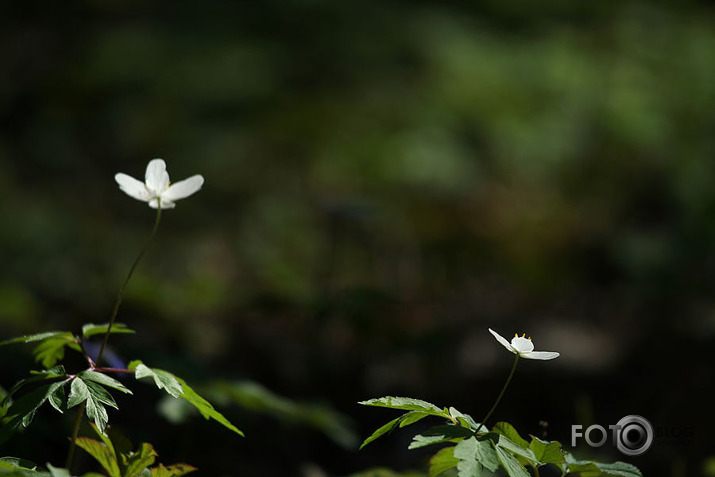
(469, 452)
(89, 388)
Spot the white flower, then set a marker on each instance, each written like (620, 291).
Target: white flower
(523, 347)
(156, 189)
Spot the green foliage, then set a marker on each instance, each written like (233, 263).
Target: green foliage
(113, 452)
(469, 452)
(90, 329)
(51, 348)
(254, 397)
(178, 388)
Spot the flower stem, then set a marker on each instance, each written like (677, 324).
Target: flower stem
(112, 319)
(501, 394)
(120, 296)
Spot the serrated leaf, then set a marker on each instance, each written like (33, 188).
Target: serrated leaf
(465, 420)
(407, 404)
(507, 430)
(53, 373)
(94, 395)
(175, 470)
(522, 452)
(438, 434)
(547, 452)
(410, 417)
(57, 399)
(23, 409)
(91, 329)
(100, 394)
(442, 461)
(382, 431)
(102, 454)
(104, 380)
(34, 337)
(619, 469)
(163, 379)
(52, 349)
(589, 468)
(512, 466)
(204, 407)
(480, 450)
(137, 462)
(466, 454)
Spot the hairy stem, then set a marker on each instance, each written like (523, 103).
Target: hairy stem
(112, 319)
(501, 394)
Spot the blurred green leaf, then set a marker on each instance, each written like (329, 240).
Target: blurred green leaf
(91, 329)
(442, 461)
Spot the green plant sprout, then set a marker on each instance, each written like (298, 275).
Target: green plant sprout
(89, 389)
(470, 450)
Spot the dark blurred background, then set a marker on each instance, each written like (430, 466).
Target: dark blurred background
(384, 181)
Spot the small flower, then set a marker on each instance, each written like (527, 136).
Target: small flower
(156, 189)
(523, 347)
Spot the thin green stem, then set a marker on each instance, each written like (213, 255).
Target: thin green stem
(501, 394)
(120, 296)
(112, 319)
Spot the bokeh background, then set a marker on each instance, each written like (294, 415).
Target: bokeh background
(384, 181)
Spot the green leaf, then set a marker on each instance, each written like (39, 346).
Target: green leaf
(58, 472)
(163, 379)
(33, 338)
(91, 329)
(466, 453)
(204, 407)
(410, 417)
(438, 434)
(175, 470)
(442, 461)
(52, 349)
(104, 380)
(137, 462)
(478, 449)
(547, 452)
(255, 397)
(102, 454)
(53, 373)
(23, 410)
(523, 452)
(16, 463)
(382, 431)
(465, 420)
(407, 404)
(507, 430)
(619, 469)
(589, 468)
(94, 395)
(512, 466)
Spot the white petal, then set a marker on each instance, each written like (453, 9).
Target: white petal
(183, 189)
(157, 179)
(165, 204)
(522, 345)
(540, 355)
(501, 340)
(132, 187)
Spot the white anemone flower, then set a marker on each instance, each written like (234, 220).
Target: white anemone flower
(522, 346)
(156, 189)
